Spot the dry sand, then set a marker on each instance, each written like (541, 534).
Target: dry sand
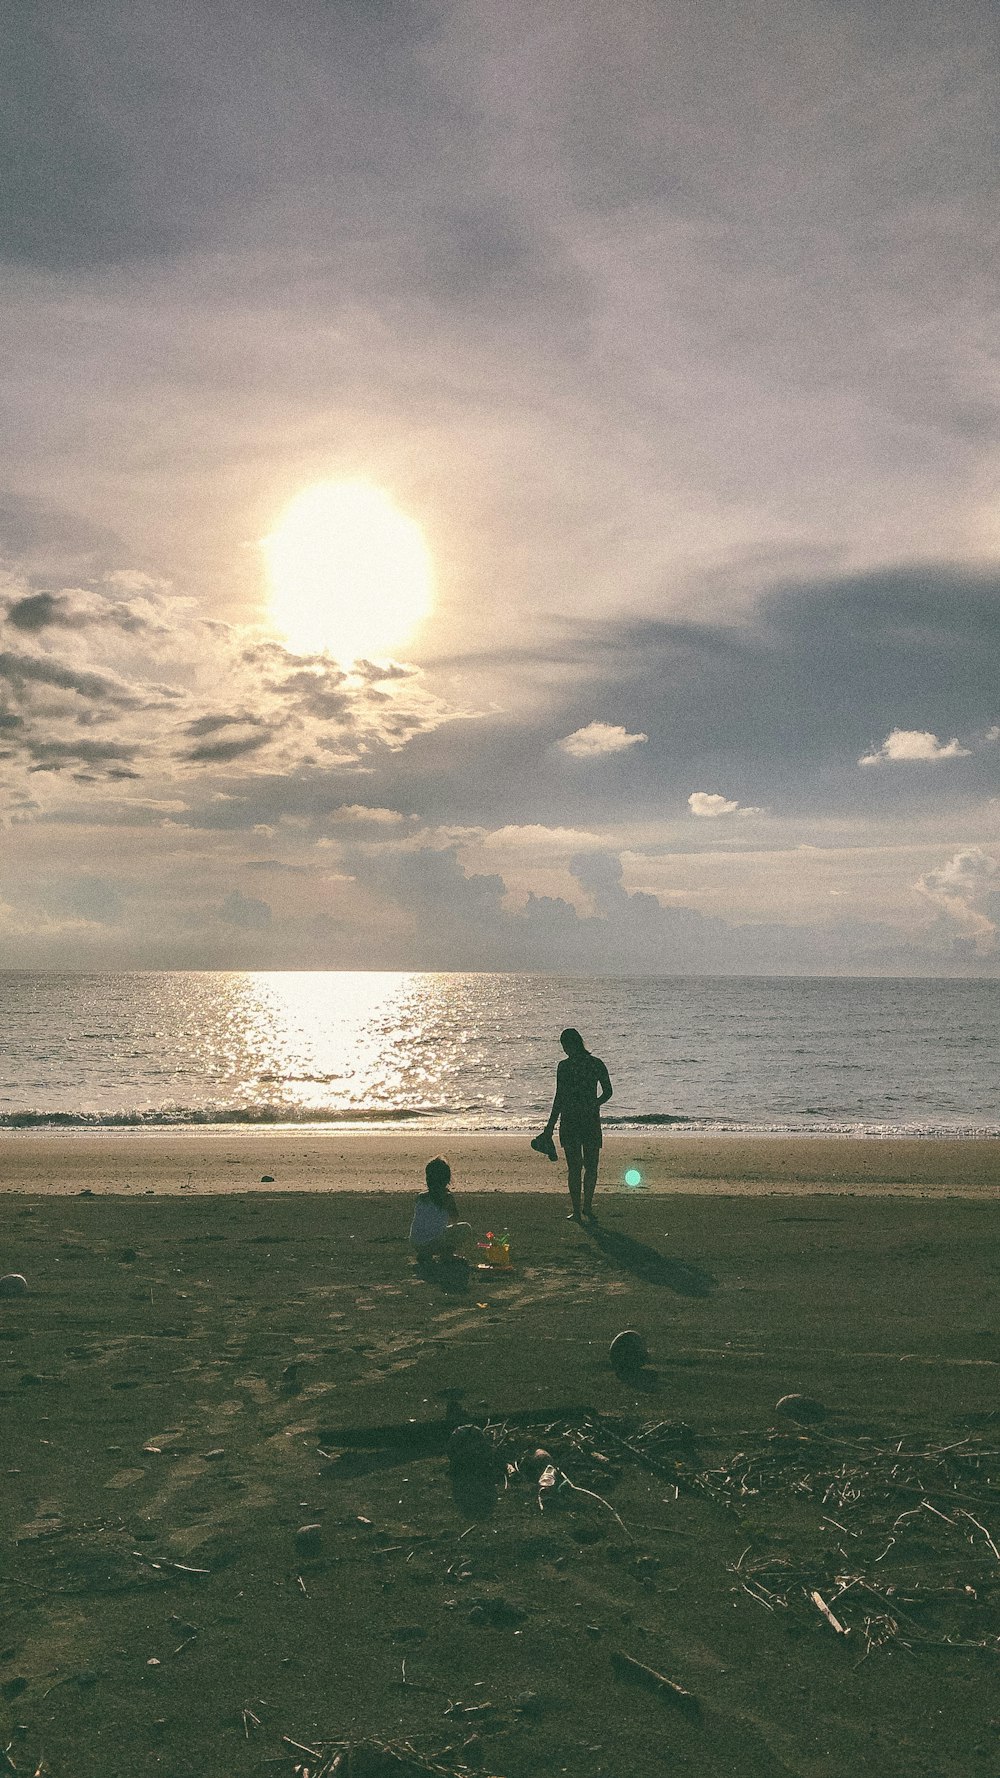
(197, 1374)
(388, 1160)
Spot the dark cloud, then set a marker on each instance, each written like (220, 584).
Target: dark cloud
(210, 725)
(778, 706)
(47, 610)
(458, 920)
(52, 756)
(225, 752)
(20, 670)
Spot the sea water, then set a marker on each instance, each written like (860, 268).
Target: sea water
(478, 1052)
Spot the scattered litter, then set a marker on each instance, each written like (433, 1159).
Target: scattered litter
(373, 1758)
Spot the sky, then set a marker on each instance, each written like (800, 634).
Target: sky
(666, 331)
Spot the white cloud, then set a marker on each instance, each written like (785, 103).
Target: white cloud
(708, 804)
(598, 739)
(912, 743)
(955, 887)
(534, 837)
(355, 813)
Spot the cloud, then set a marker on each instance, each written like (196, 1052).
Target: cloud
(955, 888)
(76, 609)
(535, 837)
(224, 752)
(246, 912)
(23, 669)
(709, 804)
(597, 740)
(913, 744)
(359, 814)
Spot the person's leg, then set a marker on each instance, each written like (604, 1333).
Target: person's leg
(573, 1150)
(591, 1162)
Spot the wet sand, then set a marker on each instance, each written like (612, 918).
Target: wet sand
(299, 1160)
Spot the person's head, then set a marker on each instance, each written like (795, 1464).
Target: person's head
(572, 1042)
(438, 1176)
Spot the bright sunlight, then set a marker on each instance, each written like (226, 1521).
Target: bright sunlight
(349, 573)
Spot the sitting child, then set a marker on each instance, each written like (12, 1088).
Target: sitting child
(435, 1230)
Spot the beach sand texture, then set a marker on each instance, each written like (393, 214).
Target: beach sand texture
(226, 1160)
(196, 1376)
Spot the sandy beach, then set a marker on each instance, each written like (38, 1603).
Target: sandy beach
(297, 1160)
(198, 1376)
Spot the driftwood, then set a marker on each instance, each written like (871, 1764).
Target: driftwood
(626, 1667)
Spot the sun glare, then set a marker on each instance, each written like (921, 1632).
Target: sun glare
(349, 573)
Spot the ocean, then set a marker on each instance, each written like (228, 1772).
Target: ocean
(478, 1052)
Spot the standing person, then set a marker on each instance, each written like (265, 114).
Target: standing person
(583, 1085)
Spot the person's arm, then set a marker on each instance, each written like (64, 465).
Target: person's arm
(606, 1089)
(554, 1113)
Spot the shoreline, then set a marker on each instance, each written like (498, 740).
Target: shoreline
(279, 1159)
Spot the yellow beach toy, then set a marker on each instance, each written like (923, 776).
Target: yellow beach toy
(496, 1251)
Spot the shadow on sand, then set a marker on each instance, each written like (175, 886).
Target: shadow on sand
(648, 1263)
(450, 1275)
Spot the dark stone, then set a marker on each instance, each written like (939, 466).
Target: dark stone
(309, 1540)
(470, 1451)
(805, 1410)
(628, 1352)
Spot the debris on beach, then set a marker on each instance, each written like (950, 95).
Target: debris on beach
(309, 1540)
(13, 1284)
(470, 1451)
(805, 1410)
(628, 1353)
(628, 1668)
(373, 1758)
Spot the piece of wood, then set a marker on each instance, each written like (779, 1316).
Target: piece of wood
(834, 1622)
(627, 1667)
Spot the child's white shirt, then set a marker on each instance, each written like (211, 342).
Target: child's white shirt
(429, 1222)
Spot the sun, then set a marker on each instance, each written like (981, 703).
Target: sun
(350, 575)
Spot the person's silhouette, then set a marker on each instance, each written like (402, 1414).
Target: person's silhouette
(583, 1085)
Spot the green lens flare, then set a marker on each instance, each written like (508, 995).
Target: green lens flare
(633, 1176)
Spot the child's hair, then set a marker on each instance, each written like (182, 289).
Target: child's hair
(438, 1176)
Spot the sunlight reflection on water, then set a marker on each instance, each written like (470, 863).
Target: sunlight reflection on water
(479, 1051)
